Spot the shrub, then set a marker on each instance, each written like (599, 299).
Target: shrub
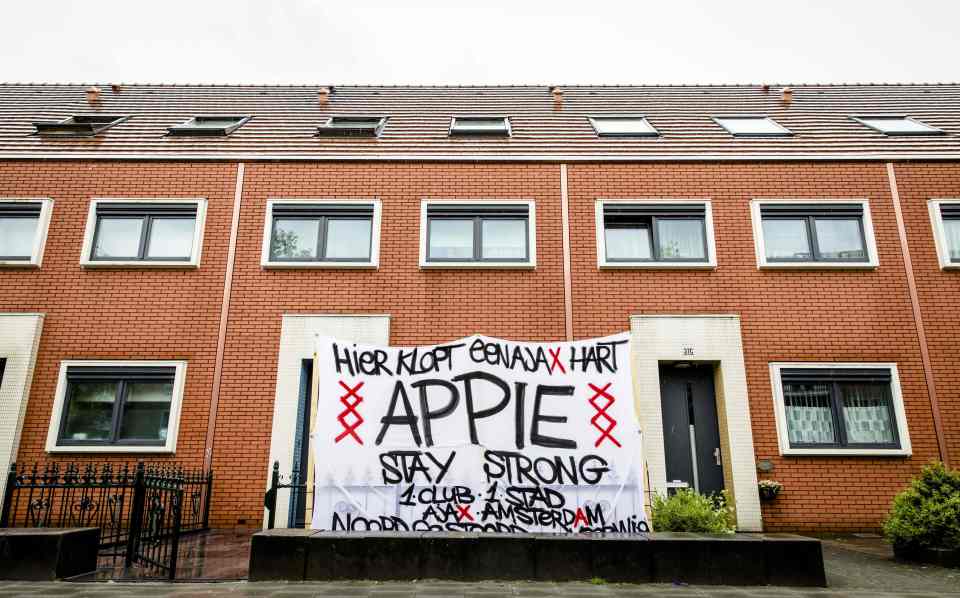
(688, 511)
(927, 514)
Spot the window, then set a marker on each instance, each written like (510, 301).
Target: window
(117, 406)
(623, 126)
(813, 234)
(209, 126)
(312, 233)
(752, 126)
(839, 408)
(897, 125)
(659, 233)
(945, 220)
(144, 233)
(80, 125)
(470, 234)
(23, 231)
(480, 125)
(352, 126)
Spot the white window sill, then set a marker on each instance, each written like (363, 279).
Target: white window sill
(818, 266)
(319, 265)
(835, 452)
(112, 449)
(477, 265)
(950, 266)
(144, 264)
(658, 265)
(18, 264)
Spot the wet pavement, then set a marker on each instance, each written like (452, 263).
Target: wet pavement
(857, 566)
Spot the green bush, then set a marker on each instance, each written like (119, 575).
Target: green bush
(927, 514)
(688, 511)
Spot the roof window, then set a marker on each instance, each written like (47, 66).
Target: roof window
(480, 125)
(352, 126)
(78, 125)
(752, 126)
(209, 125)
(623, 126)
(897, 125)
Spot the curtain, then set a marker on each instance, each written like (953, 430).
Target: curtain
(809, 417)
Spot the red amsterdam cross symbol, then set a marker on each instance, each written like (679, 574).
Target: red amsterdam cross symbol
(350, 401)
(602, 413)
(556, 363)
(464, 512)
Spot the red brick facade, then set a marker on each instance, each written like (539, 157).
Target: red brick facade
(786, 315)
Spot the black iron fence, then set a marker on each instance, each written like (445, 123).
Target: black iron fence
(297, 498)
(141, 510)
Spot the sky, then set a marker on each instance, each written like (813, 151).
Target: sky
(482, 42)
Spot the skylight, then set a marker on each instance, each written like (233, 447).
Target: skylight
(209, 125)
(897, 125)
(623, 126)
(480, 125)
(79, 125)
(352, 126)
(751, 126)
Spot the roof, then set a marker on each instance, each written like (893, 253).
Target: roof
(285, 119)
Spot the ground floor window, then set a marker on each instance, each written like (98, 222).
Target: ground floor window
(117, 405)
(839, 409)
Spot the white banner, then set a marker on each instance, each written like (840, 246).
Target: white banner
(479, 434)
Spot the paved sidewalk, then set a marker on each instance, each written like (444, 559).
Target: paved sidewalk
(861, 568)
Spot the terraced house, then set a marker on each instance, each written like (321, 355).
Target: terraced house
(785, 258)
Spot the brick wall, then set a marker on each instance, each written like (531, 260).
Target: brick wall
(785, 315)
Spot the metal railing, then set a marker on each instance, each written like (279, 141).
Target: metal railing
(141, 510)
(298, 497)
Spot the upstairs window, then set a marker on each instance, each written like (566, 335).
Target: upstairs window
(311, 233)
(834, 409)
(752, 126)
(162, 233)
(897, 125)
(499, 234)
(654, 233)
(23, 231)
(812, 234)
(126, 406)
(352, 126)
(945, 219)
(623, 126)
(480, 125)
(209, 126)
(80, 125)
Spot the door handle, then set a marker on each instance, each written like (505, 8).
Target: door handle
(716, 455)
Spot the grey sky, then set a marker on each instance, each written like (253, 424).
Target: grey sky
(480, 42)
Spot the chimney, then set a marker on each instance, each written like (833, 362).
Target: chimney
(765, 88)
(115, 88)
(557, 94)
(787, 94)
(93, 94)
(323, 95)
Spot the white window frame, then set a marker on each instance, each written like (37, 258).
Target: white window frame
(89, 232)
(173, 425)
(780, 130)
(896, 394)
(374, 261)
(40, 236)
(940, 233)
(531, 234)
(872, 261)
(602, 261)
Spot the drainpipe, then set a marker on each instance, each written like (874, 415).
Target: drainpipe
(567, 277)
(918, 319)
(224, 313)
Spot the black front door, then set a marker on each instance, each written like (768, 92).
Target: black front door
(691, 435)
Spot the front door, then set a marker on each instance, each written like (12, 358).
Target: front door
(691, 435)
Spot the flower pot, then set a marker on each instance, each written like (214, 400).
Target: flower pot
(768, 493)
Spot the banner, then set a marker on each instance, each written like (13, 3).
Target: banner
(479, 434)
